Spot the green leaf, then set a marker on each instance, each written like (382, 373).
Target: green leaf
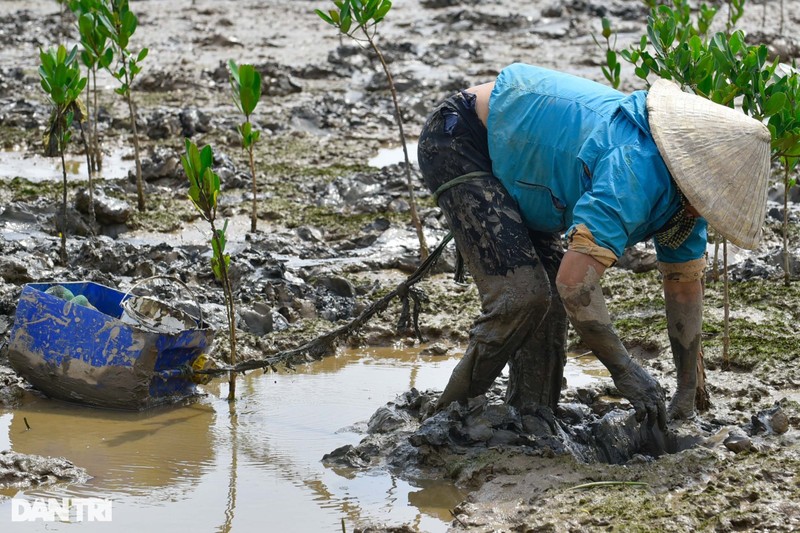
(206, 157)
(142, 54)
(86, 24)
(696, 46)
(245, 129)
(775, 104)
(384, 8)
(129, 23)
(345, 25)
(234, 70)
(107, 58)
(324, 17)
(368, 11)
(611, 58)
(736, 42)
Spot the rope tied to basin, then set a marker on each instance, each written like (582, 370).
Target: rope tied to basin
(320, 346)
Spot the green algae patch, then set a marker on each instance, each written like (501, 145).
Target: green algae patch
(698, 489)
(21, 189)
(14, 137)
(164, 214)
(763, 318)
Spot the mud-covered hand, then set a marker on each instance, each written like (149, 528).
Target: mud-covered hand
(644, 393)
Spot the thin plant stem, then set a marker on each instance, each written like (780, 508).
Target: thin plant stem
(229, 309)
(92, 215)
(785, 224)
(89, 153)
(780, 29)
(715, 263)
(254, 214)
(726, 337)
(63, 206)
(423, 246)
(139, 185)
(97, 158)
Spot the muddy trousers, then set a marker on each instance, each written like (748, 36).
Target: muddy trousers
(522, 321)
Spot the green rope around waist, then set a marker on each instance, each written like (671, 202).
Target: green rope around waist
(478, 174)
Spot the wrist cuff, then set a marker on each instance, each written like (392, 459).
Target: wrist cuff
(581, 240)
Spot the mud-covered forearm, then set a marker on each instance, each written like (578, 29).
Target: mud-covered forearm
(587, 311)
(578, 285)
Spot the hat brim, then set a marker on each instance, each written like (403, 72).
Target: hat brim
(718, 156)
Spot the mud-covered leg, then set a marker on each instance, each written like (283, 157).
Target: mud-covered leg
(513, 285)
(494, 242)
(684, 306)
(537, 368)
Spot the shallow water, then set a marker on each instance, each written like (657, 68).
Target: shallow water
(37, 168)
(394, 155)
(170, 469)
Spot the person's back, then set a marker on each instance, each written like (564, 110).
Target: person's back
(572, 151)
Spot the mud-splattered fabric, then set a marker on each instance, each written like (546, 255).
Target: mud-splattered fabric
(572, 151)
(513, 267)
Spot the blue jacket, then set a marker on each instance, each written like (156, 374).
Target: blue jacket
(572, 151)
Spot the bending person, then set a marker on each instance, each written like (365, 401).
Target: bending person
(517, 163)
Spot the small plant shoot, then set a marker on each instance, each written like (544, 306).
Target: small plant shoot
(119, 24)
(359, 20)
(246, 87)
(204, 187)
(60, 77)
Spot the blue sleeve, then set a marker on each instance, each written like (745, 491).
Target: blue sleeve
(618, 204)
(694, 247)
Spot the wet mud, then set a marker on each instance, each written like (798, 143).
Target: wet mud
(334, 233)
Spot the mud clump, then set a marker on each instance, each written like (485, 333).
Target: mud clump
(23, 471)
(405, 435)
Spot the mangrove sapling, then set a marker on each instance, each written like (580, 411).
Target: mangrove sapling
(246, 87)
(118, 24)
(724, 69)
(61, 79)
(204, 187)
(367, 15)
(783, 99)
(97, 54)
(612, 68)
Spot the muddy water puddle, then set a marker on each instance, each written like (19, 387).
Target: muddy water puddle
(200, 468)
(37, 169)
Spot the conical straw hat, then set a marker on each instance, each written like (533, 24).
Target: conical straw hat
(718, 156)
